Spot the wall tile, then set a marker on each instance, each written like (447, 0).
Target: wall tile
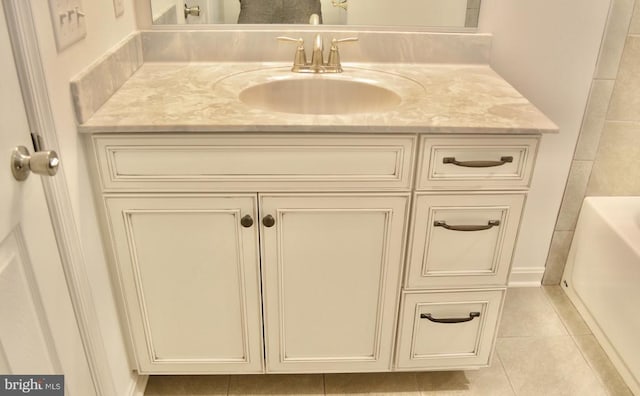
(635, 21)
(594, 119)
(573, 195)
(625, 101)
(616, 170)
(613, 41)
(558, 252)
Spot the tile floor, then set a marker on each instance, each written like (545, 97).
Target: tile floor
(543, 348)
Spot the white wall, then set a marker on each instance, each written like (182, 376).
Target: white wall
(103, 32)
(548, 50)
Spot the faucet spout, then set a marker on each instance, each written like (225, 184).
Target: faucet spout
(317, 56)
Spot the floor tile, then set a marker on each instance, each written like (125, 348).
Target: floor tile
(600, 363)
(276, 384)
(566, 311)
(169, 385)
(550, 366)
(487, 381)
(373, 384)
(527, 313)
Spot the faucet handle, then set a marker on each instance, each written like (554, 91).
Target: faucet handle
(334, 54)
(343, 40)
(300, 58)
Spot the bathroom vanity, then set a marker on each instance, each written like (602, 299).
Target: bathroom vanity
(246, 240)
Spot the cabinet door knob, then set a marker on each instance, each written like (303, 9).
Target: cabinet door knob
(246, 221)
(268, 221)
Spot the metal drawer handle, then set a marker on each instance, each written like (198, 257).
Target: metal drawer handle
(477, 164)
(472, 315)
(490, 224)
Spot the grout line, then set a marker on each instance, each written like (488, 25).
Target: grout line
(506, 374)
(555, 309)
(324, 385)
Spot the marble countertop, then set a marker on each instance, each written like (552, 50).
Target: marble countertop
(203, 97)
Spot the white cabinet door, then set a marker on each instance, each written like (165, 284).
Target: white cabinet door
(331, 270)
(189, 269)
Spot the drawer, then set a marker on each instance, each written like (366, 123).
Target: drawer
(452, 330)
(476, 162)
(188, 162)
(461, 240)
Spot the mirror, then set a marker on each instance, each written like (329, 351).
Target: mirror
(454, 14)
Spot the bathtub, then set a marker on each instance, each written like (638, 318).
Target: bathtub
(602, 278)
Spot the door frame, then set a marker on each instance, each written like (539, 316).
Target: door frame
(29, 67)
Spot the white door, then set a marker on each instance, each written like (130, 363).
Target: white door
(38, 330)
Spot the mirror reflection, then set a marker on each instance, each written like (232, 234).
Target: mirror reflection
(419, 13)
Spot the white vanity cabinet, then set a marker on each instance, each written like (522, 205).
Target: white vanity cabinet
(217, 239)
(299, 253)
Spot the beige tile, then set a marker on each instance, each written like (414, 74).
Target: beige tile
(276, 384)
(613, 40)
(616, 170)
(574, 195)
(600, 363)
(205, 385)
(635, 21)
(594, 118)
(547, 366)
(527, 312)
(557, 258)
(567, 312)
(373, 384)
(486, 381)
(625, 100)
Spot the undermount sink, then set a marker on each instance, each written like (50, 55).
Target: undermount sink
(319, 95)
(351, 92)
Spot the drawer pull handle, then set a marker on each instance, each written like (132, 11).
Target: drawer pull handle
(268, 221)
(472, 315)
(477, 164)
(490, 224)
(246, 221)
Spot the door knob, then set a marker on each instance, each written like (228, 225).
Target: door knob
(43, 163)
(268, 221)
(246, 221)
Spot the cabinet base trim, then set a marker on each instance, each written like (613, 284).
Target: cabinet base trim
(526, 277)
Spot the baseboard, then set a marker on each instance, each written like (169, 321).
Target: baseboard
(138, 385)
(526, 277)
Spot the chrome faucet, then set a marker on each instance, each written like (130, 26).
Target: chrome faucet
(317, 64)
